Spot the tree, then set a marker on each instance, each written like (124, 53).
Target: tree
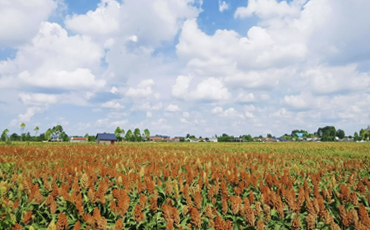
(36, 130)
(4, 135)
(64, 136)
(92, 138)
(146, 134)
(269, 135)
(137, 134)
(128, 135)
(356, 137)
(27, 137)
(340, 134)
(328, 133)
(15, 137)
(56, 131)
(296, 131)
(247, 137)
(23, 126)
(364, 134)
(118, 133)
(48, 134)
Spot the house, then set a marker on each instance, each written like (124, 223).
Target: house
(191, 140)
(106, 138)
(212, 139)
(78, 139)
(159, 138)
(176, 139)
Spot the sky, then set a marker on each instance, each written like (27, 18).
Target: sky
(180, 67)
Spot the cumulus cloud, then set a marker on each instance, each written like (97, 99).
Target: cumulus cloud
(146, 106)
(245, 97)
(229, 113)
(104, 20)
(29, 113)
(340, 79)
(210, 89)
(266, 9)
(37, 98)
(222, 6)
(70, 68)
(78, 79)
(180, 88)
(112, 105)
(228, 53)
(114, 90)
(144, 89)
(172, 108)
(108, 123)
(296, 101)
(21, 21)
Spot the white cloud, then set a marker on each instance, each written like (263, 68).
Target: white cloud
(78, 79)
(180, 88)
(133, 38)
(151, 21)
(228, 53)
(341, 79)
(245, 97)
(143, 90)
(146, 106)
(248, 115)
(172, 108)
(54, 60)
(21, 20)
(266, 9)
(38, 98)
(107, 124)
(112, 105)
(114, 90)
(104, 20)
(296, 101)
(210, 89)
(29, 114)
(231, 113)
(217, 109)
(119, 123)
(222, 6)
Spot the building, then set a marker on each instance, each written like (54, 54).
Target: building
(212, 139)
(159, 138)
(106, 138)
(78, 139)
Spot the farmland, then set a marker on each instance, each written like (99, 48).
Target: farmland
(185, 186)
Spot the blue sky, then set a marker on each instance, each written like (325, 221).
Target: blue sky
(185, 66)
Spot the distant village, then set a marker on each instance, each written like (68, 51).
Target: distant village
(327, 133)
(58, 134)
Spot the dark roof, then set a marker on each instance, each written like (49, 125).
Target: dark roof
(106, 137)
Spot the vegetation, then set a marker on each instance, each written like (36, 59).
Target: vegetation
(185, 186)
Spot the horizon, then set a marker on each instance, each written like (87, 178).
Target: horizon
(188, 66)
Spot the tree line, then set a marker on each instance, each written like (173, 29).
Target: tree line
(56, 132)
(327, 133)
(135, 136)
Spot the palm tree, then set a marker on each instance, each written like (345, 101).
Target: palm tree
(36, 130)
(5, 133)
(23, 125)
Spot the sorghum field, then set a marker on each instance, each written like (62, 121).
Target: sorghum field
(185, 186)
